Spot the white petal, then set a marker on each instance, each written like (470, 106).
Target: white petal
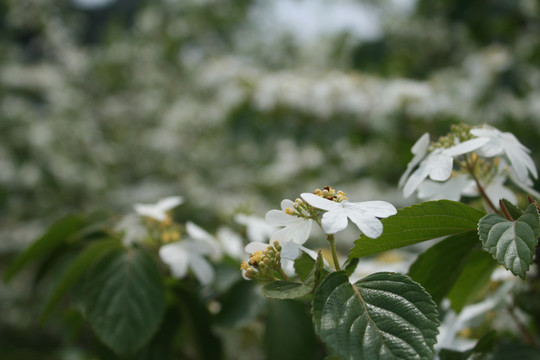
(150, 211)
(194, 231)
(290, 250)
(202, 269)
(441, 167)
(466, 146)
(255, 246)
(369, 225)
(286, 203)
(279, 218)
(297, 232)
(319, 202)
(175, 256)
(334, 221)
(419, 149)
(421, 145)
(232, 243)
(417, 177)
(169, 203)
(377, 208)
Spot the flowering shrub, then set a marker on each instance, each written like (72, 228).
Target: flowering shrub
(145, 275)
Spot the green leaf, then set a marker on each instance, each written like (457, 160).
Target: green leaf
(55, 236)
(417, 223)
(511, 243)
(515, 351)
(76, 270)
(285, 290)
(513, 210)
(383, 316)
(241, 304)
(473, 280)
(294, 290)
(303, 265)
(438, 267)
(289, 332)
(123, 299)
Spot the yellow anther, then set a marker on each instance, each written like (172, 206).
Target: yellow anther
(244, 266)
(290, 211)
(318, 192)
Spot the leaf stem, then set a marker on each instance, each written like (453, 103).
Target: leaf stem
(283, 275)
(332, 242)
(529, 338)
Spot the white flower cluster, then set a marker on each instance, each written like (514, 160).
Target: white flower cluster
(486, 160)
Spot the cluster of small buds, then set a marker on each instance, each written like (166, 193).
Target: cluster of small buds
(299, 208)
(330, 193)
(170, 234)
(264, 264)
(458, 134)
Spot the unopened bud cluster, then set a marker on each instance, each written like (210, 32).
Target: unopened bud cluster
(458, 134)
(264, 264)
(330, 193)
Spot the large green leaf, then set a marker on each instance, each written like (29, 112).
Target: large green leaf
(123, 299)
(289, 332)
(76, 269)
(511, 243)
(473, 279)
(417, 223)
(383, 316)
(55, 236)
(438, 267)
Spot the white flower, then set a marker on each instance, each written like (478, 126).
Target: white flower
(506, 143)
(132, 228)
(295, 228)
(188, 254)
(158, 211)
(419, 150)
(256, 227)
(226, 241)
(204, 239)
(439, 163)
(450, 190)
(364, 214)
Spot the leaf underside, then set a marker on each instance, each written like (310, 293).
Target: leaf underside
(511, 243)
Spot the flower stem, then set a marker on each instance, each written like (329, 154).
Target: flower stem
(470, 169)
(283, 275)
(332, 242)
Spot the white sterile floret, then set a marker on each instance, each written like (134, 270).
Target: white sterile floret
(439, 163)
(295, 228)
(419, 150)
(205, 239)
(132, 228)
(158, 211)
(506, 143)
(364, 214)
(188, 254)
(450, 190)
(256, 227)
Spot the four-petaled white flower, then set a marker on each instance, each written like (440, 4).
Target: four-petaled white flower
(438, 164)
(500, 143)
(225, 241)
(158, 211)
(363, 214)
(295, 228)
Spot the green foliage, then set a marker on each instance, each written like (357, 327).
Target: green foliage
(383, 316)
(123, 299)
(438, 267)
(417, 223)
(76, 269)
(474, 278)
(54, 238)
(289, 332)
(511, 242)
